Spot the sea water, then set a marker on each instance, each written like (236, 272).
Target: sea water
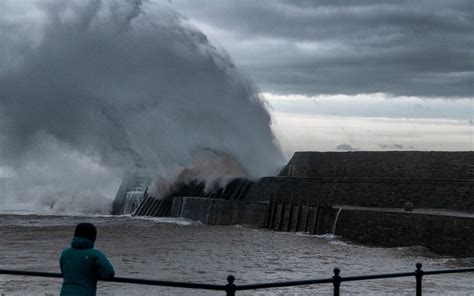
(182, 250)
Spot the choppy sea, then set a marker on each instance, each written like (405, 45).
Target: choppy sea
(182, 250)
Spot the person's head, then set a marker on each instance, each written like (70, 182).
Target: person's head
(86, 230)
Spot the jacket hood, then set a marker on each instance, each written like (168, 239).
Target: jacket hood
(82, 243)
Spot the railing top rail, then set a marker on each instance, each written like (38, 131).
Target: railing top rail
(403, 274)
(283, 284)
(444, 271)
(376, 276)
(246, 286)
(123, 280)
(31, 273)
(168, 283)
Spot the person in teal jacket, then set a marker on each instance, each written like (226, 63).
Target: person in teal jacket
(82, 265)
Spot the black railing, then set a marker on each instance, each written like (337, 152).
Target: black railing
(230, 288)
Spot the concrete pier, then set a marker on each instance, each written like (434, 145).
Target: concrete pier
(219, 211)
(443, 232)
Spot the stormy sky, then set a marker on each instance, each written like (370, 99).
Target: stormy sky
(416, 48)
(342, 64)
(91, 88)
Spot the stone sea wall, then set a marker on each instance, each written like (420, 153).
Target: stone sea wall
(370, 192)
(387, 164)
(442, 234)
(219, 211)
(370, 187)
(301, 218)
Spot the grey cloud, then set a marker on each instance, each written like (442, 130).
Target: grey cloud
(422, 48)
(373, 105)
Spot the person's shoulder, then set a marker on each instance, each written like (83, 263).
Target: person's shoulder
(98, 253)
(66, 251)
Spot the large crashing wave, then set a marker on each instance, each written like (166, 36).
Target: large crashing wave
(90, 89)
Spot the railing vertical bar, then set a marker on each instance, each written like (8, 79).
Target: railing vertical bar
(419, 277)
(336, 281)
(230, 288)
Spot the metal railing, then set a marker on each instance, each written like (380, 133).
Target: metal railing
(231, 288)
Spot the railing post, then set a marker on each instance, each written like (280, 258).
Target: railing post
(418, 276)
(230, 287)
(336, 281)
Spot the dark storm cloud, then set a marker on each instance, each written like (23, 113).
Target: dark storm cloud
(421, 48)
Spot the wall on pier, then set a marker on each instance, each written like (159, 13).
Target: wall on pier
(441, 233)
(369, 192)
(383, 164)
(219, 211)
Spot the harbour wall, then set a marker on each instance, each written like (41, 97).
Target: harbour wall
(371, 188)
(275, 215)
(443, 233)
(370, 192)
(386, 164)
(301, 218)
(219, 211)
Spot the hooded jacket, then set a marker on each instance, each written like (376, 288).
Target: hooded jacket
(81, 266)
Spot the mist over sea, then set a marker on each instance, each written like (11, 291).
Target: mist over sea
(91, 89)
